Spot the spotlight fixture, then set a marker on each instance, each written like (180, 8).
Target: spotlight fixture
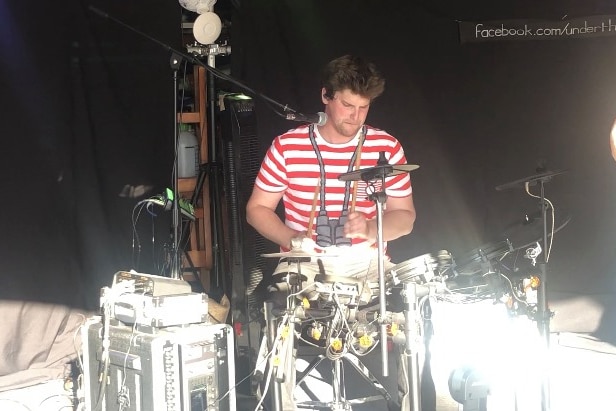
(207, 27)
(469, 388)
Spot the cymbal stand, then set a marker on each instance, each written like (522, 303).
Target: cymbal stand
(283, 364)
(379, 199)
(274, 393)
(543, 311)
(411, 348)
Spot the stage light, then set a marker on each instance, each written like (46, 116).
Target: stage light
(198, 6)
(469, 388)
(486, 347)
(206, 27)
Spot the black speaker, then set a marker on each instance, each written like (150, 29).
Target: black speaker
(242, 155)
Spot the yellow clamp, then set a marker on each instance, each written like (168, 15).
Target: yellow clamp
(365, 341)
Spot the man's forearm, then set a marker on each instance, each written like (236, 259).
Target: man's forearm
(396, 223)
(268, 224)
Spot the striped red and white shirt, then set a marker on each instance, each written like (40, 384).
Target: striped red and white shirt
(291, 165)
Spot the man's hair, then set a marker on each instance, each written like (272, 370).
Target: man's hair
(353, 73)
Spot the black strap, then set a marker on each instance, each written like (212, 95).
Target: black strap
(347, 185)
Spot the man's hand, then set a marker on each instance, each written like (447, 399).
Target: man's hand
(303, 243)
(357, 226)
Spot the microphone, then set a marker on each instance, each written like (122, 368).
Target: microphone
(319, 119)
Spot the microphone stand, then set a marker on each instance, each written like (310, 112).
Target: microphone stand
(215, 200)
(175, 212)
(287, 113)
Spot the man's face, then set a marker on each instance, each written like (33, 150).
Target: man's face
(346, 111)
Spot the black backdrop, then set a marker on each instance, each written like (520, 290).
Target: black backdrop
(87, 109)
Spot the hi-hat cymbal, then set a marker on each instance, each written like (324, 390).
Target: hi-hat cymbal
(296, 254)
(546, 176)
(380, 171)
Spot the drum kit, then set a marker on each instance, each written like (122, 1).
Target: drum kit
(490, 271)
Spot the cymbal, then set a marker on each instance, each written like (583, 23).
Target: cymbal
(529, 229)
(296, 254)
(546, 176)
(380, 171)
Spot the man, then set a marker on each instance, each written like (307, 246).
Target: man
(291, 171)
(323, 215)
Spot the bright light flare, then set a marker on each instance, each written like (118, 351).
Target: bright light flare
(507, 351)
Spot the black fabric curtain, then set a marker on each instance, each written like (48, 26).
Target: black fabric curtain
(88, 110)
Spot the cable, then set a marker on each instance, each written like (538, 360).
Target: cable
(108, 297)
(104, 357)
(160, 263)
(123, 394)
(136, 241)
(276, 345)
(547, 254)
(21, 404)
(77, 351)
(62, 407)
(270, 372)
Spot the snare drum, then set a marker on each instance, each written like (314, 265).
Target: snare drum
(420, 269)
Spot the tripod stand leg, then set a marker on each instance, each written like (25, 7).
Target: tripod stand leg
(313, 364)
(411, 349)
(411, 399)
(275, 390)
(543, 324)
(365, 373)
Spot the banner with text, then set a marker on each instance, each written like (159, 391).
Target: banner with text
(499, 30)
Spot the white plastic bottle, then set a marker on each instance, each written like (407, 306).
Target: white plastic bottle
(188, 152)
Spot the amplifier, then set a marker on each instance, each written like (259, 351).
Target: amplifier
(153, 285)
(187, 368)
(161, 311)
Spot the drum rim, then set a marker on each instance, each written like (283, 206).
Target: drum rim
(489, 250)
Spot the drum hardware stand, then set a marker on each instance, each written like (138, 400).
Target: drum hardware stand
(543, 312)
(382, 170)
(339, 403)
(274, 393)
(412, 343)
(380, 198)
(283, 370)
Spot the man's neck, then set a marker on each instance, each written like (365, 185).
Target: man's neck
(332, 136)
